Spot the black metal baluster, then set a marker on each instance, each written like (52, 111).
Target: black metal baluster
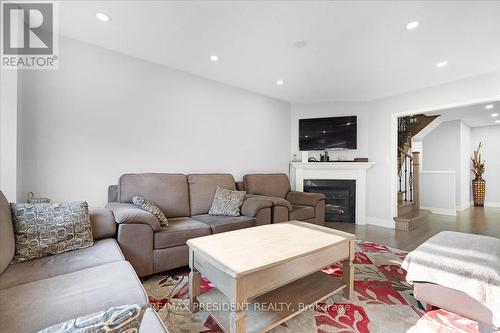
(406, 178)
(400, 173)
(411, 181)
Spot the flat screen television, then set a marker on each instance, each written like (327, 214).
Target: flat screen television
(328, 133)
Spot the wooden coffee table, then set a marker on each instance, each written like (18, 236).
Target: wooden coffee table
(265, 275)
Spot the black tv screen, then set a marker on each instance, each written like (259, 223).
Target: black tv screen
(328, 133)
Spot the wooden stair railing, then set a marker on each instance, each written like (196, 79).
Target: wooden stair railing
(409, 213)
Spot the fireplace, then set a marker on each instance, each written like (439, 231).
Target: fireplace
(340, 203)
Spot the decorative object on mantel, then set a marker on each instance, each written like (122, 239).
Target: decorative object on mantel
(361, 159)
(33, 200)
(325, 158)
(478, 184)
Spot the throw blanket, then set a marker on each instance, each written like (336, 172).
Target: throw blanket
(464, 262)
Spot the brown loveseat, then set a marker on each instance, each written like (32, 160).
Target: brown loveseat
(287, 205)
(185, 200)
(43, 292)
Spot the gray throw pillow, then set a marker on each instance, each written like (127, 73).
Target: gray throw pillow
(125, 318)
(43, 229)
(227, 202)
(150, 207)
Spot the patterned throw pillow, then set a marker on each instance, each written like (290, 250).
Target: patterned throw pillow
(227, 202)
(125, 318)
(149, 206)
(43, 229)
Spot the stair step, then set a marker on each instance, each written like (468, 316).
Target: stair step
(407, 222)
(406, 207)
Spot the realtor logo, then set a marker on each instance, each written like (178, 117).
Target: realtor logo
(28, 35)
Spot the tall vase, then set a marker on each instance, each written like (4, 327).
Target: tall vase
(478, 190)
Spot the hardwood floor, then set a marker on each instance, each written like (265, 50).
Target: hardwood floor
(475, 220)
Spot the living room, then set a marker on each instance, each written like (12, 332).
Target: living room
(178, 102)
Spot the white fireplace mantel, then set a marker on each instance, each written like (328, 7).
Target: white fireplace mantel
(334, 170)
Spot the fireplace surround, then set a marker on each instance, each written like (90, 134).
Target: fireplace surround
(300, 171)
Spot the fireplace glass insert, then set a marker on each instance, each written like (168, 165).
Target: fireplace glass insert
(340, 205)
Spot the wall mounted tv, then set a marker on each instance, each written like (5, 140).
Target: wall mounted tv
(328, 133)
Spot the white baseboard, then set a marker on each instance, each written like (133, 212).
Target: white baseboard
(380, 222)
(492, 204)
(463, 206)
(441, 211)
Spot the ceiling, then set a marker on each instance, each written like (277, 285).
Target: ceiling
(356, 50)
(473, 115)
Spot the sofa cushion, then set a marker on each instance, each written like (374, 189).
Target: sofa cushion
(33, 306)
(227, 202)
(104, 251)
(202, 190)
(151, 323)
(46, 229)
(274, 200)
(220, 224)
(7, 241)
(118, 319)
(168, 191)
(271, 185)
(301, 213)
(103, 222)
(179, 230)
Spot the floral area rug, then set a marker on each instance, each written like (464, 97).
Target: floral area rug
(383, 302)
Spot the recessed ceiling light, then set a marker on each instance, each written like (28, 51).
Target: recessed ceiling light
(412, 25)
(489, 106)
(280, 82)
(442, 64)
(214, 58)
(300, 44)
(497, 121)
(103, 17)
(494, 115)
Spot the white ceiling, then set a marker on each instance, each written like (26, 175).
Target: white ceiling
(356, 50)
(473, 115)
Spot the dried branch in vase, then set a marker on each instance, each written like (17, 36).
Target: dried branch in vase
(477, 163)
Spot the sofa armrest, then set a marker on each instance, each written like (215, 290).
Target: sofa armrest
(103, 222)
(304, 198)
(130, 214)
(252, 206)
(274, 200)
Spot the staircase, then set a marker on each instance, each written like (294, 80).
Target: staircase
(410, 216)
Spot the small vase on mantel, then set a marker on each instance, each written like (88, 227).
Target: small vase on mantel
(478, 184)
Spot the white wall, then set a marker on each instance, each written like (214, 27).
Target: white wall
(490, 137)
(102, 114)
(437, 190)
(8, 133)
(447, 147)
(465, 165)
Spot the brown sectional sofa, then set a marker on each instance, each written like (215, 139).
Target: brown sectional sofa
(287, 205)
(185, 200)
(50, 290)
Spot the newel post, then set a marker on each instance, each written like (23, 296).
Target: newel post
(416, 179)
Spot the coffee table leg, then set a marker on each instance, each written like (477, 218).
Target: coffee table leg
(238, 322)
(348, 269)
(194, 284)
(237, 317)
